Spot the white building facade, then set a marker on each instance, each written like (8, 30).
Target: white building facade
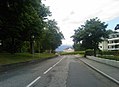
(112, 43)
(103, 45)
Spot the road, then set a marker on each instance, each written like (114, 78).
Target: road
(62, 71)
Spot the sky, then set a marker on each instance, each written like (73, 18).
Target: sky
(70, 14)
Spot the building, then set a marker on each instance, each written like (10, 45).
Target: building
(112, 43)
(103, 45)
(69, 49)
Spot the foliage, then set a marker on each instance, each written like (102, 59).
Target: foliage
(90, 34)
(110, 57)
(19, 21)
(52, 36)
(23, 21)
(116, 53)
(89, 52)
(78, 47)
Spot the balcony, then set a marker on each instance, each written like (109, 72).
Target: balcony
(113, 44)
(113, 48)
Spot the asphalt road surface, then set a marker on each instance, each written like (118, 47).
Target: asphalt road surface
(62, 71)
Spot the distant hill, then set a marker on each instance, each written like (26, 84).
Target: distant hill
(62, 47)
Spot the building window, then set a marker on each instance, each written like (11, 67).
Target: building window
(112, 46)
(117, 46)
(116, 41)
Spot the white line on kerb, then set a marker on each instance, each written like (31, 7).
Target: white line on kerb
(104, 74)
(33, 81)
(52, 66)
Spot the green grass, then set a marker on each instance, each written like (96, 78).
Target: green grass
(73, 53)
(6, 58)
(110, 57)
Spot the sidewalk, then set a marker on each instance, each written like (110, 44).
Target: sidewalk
(107, 70)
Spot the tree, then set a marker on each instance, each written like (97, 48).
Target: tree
(19, 21)
(32, 18)
(52, 36)
(9, 26)
(78, 47)
(90, 34)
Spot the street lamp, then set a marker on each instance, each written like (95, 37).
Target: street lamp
(8, 4)
(0, 42)
(32, 50)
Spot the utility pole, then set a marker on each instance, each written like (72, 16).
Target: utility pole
(32, 45)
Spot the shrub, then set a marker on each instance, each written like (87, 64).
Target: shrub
(110, 53)
(89, 52)
(110, 57)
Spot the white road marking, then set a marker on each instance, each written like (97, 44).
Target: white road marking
(33, 81)
(30, 84)
(48, 70)
(53, 66)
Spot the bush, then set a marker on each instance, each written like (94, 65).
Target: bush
(89, 52)
(110, 57)
(110, 53)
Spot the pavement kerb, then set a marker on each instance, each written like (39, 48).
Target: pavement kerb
(99, 71)
(7, 67)
(112, 63)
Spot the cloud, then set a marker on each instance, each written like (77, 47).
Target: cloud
(65, 19)
(72, 13)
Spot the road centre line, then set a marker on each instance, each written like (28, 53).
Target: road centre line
(30, 84)
(48, 70)
(52, 66)
(33, 81)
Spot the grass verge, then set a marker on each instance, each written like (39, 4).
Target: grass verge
(6, 58)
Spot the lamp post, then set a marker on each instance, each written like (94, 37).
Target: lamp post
(32, 48)
(0, 42)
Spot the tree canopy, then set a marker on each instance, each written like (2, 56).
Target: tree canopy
(90, 34)
(22, 22)
(52, 31)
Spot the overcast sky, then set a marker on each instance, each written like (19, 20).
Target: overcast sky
(70, 14)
